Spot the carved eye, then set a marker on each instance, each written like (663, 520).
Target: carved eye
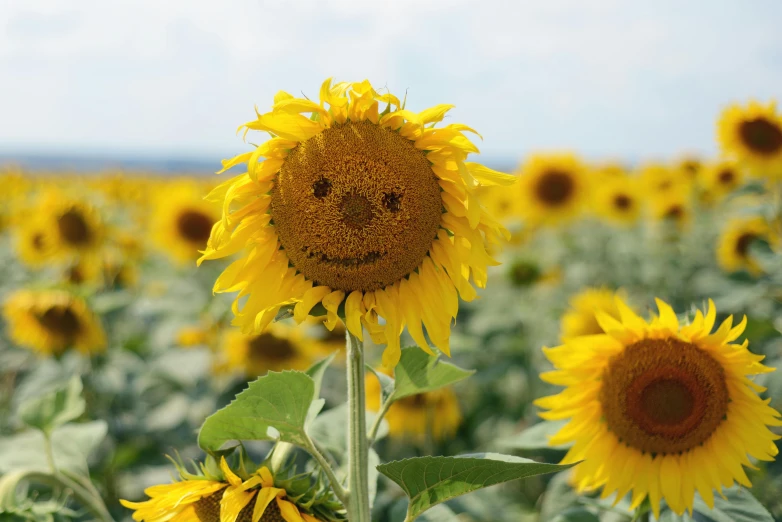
(392, 201)
(321, 188)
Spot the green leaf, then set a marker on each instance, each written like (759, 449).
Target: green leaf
(738, 506)
(535, 437)
(275, 406)
(419, 372)
(576, 515)
(428, 481)
(71, 445)
(54, 408)
(386, 384)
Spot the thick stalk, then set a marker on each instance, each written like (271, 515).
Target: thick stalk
(358, 446)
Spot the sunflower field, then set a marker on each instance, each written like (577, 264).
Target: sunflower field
(359, 321)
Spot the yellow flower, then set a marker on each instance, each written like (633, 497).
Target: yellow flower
(352, 207)
(279, 347)
(690, 165)
(618, 199)
(733, 251)
(36, 241)
(753, 135)
(229, 499)
(674, 207)
(182, 221)
(77, 225)
(189, 336)
(581, 317)
(660, 180)
(502, 203)
(434, 413)
(660, 408)
(553, 188)
(51, 321)
(721, 178)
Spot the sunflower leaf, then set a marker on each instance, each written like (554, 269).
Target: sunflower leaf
(418, 372)
(428, 481)
(274, 406)
(54, 408)
(317, 370)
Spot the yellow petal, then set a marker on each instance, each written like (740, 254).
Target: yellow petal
(289, 511)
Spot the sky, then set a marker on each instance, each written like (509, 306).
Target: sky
(608, 79)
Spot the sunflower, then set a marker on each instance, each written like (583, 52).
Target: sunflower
(733, 251)
(553, 188)
(720, 178)
(581, 317)
(51, 321)
(753, 135)
(434, 413)
(501, 202)
(77, 225)
(36, 242)
(618, 199)
(374, 212)
(182, 221)
(660, 408)
(690, 165)
(661, 180)
(279, 347)
(224, 496)
(675, 207)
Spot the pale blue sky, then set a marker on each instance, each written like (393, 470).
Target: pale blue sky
(611, 78)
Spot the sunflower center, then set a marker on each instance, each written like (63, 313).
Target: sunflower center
(762, 136)
(663, 395)
(414, 402)
(356, 207)
(623, 202)
(60, 321)
(208, 510)
(555, 187)
(73, 228)
(743, 243)
(726, 177)
(194, 226)
(676, 212)
(266, 347)
(38, 241)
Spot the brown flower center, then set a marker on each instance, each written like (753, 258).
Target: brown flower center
(663, 395)
(60, 321)
(676, 212)
(356, 207)
(194, 226)
(726, 177)
(268, 348)
(762, 136)
(74, 228)
(208, 510)
(744, 242)
(555, 187)
(623, 202)
(38, 241)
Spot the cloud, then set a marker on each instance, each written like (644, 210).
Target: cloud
(606, 78)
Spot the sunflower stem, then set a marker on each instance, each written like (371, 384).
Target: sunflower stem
(358, 444)
(336, 486)
(378, 421)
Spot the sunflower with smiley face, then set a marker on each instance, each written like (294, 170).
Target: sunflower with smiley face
(361, 206)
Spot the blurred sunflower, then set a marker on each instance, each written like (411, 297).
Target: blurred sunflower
(753, 135)
(660, 408)
(673, 208)
(376, 210)
(434, 413)
(502, 203)
(52, 321)
(733, 250)
(36, 242)
(660, 180)
(76, 224)
(721, 178)
(581, 317)
(618, 199)
(279, 347)
(690, 165)
(227, 496)
(553, 188)
(182, 221)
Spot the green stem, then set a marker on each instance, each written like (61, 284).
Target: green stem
(87, 498)
(49, 452)
(336, 485)
(358, 447)
(378, 421)
(279, 454)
